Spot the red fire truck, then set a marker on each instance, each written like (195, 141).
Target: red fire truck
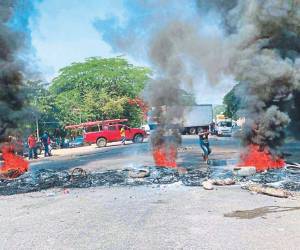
(102, 132)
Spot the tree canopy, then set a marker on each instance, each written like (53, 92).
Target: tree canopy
(219, 109)
(99, 88)
(232, 102)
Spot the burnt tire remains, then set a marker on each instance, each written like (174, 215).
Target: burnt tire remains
(79, 178)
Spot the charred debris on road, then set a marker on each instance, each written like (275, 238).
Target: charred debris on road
(32, 181)
(78, 178)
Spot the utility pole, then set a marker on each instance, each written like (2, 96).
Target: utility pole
(36, 120)
(37, 127)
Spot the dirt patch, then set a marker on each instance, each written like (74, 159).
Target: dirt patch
(259, 212)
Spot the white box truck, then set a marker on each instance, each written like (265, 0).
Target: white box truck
(194, 118)
(197, 117)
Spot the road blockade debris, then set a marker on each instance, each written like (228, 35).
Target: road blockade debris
(287, 178)
(43, 179)
(244, 171)
(77, 172)
(224, 182)
(276, 192)
(14, 165)
(78, 178)
(260, 158)
(193, 177)
(138, 173)
(207, 185)
(293, 168)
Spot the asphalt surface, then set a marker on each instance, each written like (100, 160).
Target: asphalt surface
(156, 217)
(148, 217)
(135, 155)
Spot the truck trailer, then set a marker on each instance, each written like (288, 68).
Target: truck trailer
(194, 119)
(197, 117)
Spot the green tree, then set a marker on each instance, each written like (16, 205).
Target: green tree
(41, 106)
(219, 109)
(232, 102)
(98, 88)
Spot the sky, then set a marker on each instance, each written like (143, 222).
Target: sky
(66, 31)
(63, 32)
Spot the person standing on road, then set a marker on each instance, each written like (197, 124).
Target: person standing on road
(204, 143)
(123, 135)
(32, 147)
(212, 128)
(45, 141)
(49, 146)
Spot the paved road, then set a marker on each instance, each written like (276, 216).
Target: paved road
(133, 155)
(155, 217)
(147, 217)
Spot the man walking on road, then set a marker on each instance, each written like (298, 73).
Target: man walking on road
(32, 147)
(123, 135)
(45, 141)
(204, 143)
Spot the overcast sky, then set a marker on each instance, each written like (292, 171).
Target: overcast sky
(66, 31)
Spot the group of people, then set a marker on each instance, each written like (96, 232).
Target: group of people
(46, 141)
(32, 145)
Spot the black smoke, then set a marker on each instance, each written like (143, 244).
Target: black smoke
(265, 36)
(12, 96)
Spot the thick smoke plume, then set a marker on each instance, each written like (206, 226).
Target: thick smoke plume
(263, 38)
(267, 65)
(178, 53)
(12, 97)
(259, 46)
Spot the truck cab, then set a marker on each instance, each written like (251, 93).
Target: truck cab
(224, 128)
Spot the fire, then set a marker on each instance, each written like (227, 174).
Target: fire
(261, 159)
(165, 156)
(14, 165)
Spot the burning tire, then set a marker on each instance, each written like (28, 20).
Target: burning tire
(138, 138)
(101, 142)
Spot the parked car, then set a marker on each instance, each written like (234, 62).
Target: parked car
(111, 133)
(77, 142)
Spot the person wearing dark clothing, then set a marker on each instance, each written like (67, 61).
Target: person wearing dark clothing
(32, 147)
(212, 128)
(204, 143)
(45, 141)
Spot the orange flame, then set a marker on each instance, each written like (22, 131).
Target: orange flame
(261, 159)
(14, 165)
(165, 156)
